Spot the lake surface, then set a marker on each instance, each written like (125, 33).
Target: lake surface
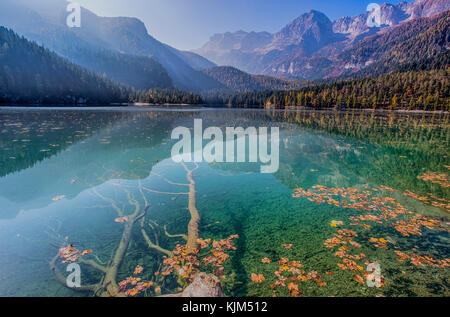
(353, 188)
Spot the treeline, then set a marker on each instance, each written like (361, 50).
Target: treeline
(165, 96)
(30, 73)
(239, 81)
(422, 90)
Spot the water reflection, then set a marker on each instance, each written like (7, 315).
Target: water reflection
(68, 174)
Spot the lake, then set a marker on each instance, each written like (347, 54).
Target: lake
(353, 189)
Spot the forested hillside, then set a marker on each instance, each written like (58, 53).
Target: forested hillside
(31, 74)
(140, 72)
(237, 80)
(422, 90)
(412, 42)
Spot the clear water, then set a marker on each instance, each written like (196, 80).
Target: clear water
(87, 155)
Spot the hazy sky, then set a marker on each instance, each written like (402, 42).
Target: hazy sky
(188, 24)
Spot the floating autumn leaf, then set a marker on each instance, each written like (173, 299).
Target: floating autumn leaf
(266, 260)
(138, 286)
(335, 223)
(121, 219)
(258, 278)
(409, 193)
(56, 198)
(293, 289)
(134, 280)
(148, 284)
(138, 270)
(321, 283)
(204, 243)
(435, 178)
(431, 200)
(413, 226)
(290, 271)
(86, 252)
(71, 254)
(186, 262)
(385, 188)
(283, 261)
(354, 244)
(378, 210)
(132, 292)
(359, 279)
(419, 260)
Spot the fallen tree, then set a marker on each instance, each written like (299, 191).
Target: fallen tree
(185, 261)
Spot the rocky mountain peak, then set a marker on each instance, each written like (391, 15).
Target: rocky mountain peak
(312, 41)
(309, 32)
(313, 22)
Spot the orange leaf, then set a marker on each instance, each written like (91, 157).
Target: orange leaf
(258, 278)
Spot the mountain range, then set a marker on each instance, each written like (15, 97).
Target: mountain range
(314, 47)
(121, 52)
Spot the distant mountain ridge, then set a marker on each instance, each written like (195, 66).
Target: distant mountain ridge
(310, 46)
(239, 81)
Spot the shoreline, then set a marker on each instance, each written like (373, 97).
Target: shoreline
(210, 107)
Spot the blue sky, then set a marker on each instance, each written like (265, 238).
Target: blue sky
(188, 24)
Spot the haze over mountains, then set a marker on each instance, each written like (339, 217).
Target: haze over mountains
(29, 72)
(100, 39)
(310, 46)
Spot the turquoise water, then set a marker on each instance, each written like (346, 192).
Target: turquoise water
(67, 174)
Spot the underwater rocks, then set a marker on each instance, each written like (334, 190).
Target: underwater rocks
(203, 285)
